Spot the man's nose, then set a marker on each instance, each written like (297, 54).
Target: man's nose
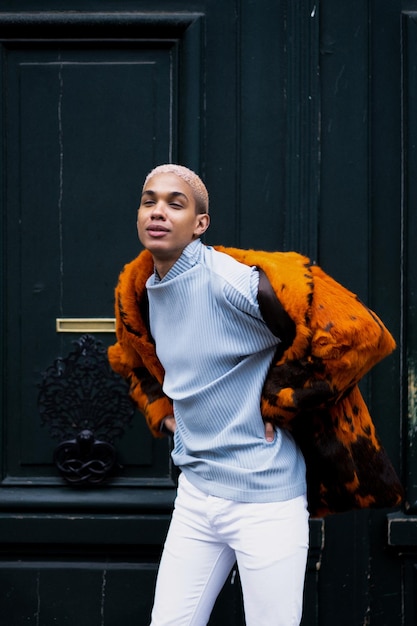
(158, 211)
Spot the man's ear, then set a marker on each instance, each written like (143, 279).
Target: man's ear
(203, 222)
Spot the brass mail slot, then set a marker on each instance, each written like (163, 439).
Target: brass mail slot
(85, 325)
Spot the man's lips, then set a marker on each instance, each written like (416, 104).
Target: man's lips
(157, 231)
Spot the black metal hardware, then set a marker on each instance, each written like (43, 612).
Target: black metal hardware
(86, 406)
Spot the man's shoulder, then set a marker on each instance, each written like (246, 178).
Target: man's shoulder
(259, 257)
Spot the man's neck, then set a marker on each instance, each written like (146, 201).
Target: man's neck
(164, 264)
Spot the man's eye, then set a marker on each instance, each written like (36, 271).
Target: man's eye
(176, 205)
(148, 202)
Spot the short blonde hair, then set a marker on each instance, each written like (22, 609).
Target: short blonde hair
(199, 189)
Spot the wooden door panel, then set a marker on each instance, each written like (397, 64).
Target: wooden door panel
(50, 593)
(83, 122)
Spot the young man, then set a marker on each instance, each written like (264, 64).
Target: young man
(214, 357)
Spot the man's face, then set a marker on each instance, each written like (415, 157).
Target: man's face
(167, 219)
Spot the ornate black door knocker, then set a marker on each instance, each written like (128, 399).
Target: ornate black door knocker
(86, 406)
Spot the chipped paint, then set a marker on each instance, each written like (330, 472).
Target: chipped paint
(320, 557)
(412, 402)
(38, 598)
(103, 595)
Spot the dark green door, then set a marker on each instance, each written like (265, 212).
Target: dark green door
(91, 102)
(291, 112)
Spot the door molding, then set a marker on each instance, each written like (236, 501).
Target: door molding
(65, 25)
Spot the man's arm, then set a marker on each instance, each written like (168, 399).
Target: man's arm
(346, 340)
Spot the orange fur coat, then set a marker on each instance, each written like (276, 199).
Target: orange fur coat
(311, 389)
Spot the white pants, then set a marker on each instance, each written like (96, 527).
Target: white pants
(208, 534)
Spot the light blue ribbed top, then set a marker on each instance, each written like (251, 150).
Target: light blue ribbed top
(216, 351)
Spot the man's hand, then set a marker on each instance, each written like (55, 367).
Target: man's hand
(269, 431)
(170, 424)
